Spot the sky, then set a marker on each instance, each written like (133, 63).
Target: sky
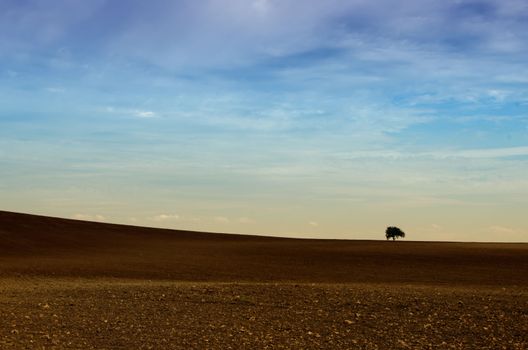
(326, 119)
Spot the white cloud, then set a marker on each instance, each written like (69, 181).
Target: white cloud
(166, 217)
(313, 223)
(501, 229)
(144, 114)
(498, 95)
(442, 154)
(484, 153)
(436, 227)
(138, 113)
(89, 217)
(192, 33)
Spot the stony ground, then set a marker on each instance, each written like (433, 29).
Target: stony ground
(67, 284)
(46, 313)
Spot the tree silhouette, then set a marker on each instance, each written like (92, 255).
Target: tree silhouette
(394, 232)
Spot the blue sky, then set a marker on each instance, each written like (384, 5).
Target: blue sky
(329, 119)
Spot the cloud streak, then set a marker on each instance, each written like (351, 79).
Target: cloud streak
(284, 106)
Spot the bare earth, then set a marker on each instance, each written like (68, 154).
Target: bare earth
(68, 284)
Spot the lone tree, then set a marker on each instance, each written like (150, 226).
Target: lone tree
(394, 232)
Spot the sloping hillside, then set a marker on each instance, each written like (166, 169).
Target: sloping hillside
(33, 245)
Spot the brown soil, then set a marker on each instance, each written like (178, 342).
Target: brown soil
(74, 284)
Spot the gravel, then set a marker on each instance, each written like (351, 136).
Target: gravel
(52, 313)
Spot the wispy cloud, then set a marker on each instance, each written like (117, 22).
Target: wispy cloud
(144, 114)
(138, 113)
(487, 153)
(443, 154)
(221, 105)
(166, 217)
(260, 27)
(89, 217)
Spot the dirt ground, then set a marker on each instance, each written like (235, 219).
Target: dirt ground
(124, 314)
(68, 284)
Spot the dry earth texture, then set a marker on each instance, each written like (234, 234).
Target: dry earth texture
(67, 284)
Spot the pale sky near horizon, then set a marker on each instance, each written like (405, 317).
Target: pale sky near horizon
(328, 119)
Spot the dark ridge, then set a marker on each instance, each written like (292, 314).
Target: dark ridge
(32, 245)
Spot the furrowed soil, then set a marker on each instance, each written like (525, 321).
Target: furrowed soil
(67, 284)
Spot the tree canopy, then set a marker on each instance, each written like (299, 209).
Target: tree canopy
(394, 232)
